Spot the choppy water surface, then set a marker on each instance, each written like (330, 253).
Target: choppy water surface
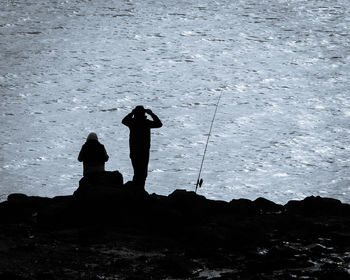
(76, 66)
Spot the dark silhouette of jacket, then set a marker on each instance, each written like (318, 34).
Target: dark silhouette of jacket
(140, 132)
(93, 155)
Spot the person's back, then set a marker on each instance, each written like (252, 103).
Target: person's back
(140, 135)
(93, 155)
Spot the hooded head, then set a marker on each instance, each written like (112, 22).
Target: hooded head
(92, 136)
(139, 112)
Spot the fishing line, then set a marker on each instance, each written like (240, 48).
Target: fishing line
(200, 180)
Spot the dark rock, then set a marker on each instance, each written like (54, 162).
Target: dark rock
(10, 276)
(195, 208)
(126, 233)
(341, 238)
(45, 275)
(176, 266)
(318, 250)
(25, 201)
(61, 211)
(187, 200)
(282, 252)
(17, 197)
(21, 208)
(265, 205)
(318, 206)
(204, 239)
(98, 181)
(335, 273)
(243, 207)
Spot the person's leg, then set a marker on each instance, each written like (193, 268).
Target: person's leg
(140, 164)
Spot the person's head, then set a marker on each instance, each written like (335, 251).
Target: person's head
(139, 112)
(92, 136)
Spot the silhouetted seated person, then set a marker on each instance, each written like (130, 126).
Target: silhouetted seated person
(140, 141)
(93, 155)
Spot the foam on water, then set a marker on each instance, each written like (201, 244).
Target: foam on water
(282, 129)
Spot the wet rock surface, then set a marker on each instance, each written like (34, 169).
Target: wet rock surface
(111, 231)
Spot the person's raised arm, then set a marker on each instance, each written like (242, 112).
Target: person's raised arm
(156, 123)
(128, 119)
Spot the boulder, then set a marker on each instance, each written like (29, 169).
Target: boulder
(242, 207)
(21, 208)
(99, 181)
(317, 206)
(195, 208)
(264, 205)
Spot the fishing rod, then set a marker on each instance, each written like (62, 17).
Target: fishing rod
(200, 180)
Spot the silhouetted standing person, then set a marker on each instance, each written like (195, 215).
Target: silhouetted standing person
(93, 155)
(140, 141)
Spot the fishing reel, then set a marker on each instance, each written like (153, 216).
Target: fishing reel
(199, 183)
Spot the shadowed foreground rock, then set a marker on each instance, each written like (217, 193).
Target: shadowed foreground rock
(106, 230)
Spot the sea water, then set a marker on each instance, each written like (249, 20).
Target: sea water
(70, 67)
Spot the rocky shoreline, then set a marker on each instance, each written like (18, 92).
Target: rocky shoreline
(107, 230)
